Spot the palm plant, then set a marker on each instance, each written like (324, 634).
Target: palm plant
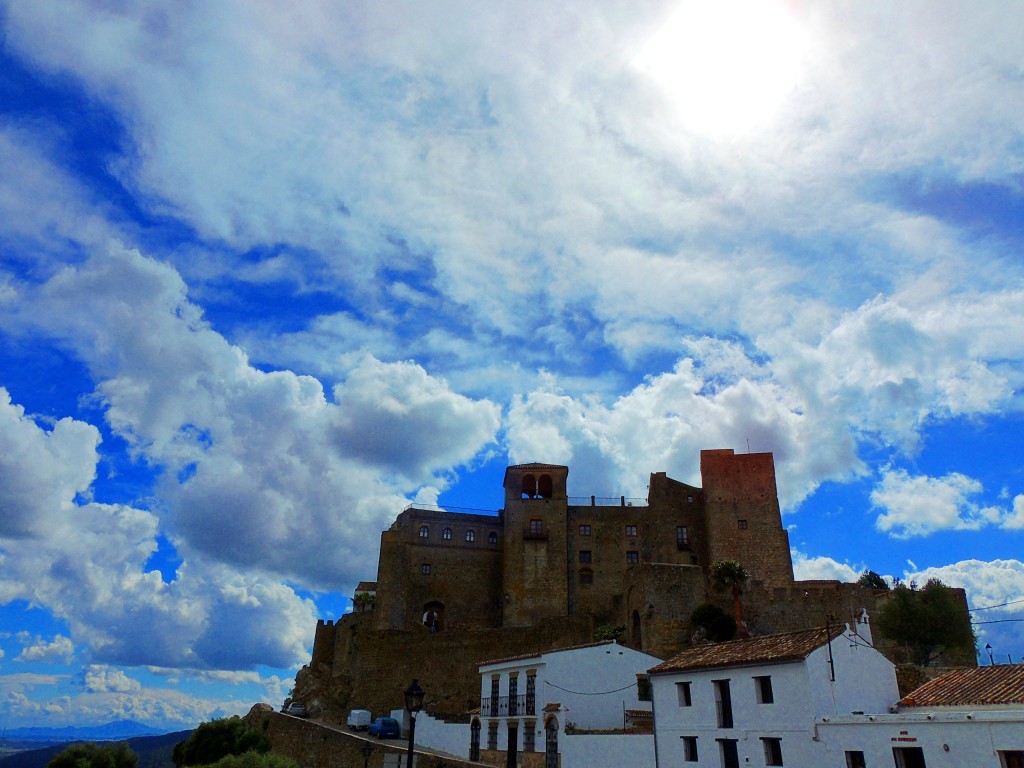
(730, 575)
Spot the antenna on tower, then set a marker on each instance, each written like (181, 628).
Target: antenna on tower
(748, 445)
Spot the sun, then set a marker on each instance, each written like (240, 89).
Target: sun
(726, 66)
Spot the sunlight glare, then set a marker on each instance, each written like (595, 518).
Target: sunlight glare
(726, 65)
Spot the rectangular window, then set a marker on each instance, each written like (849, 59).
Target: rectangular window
(643, 688)
(585, 556)
(584, 530)
(586, 576)
(855, 759)
(723, 703)
(763, 690)
(729, 753)
(536, 526)
(632, 557)
(742, 524)
(683, 693)
(513, 694)
(772, 751)
(689, 748)
(1010, 758)
(529, 744)
(631, 530)
(908, 757)
(425, 569)
(492, 735)
(689, 499)
(682, 537)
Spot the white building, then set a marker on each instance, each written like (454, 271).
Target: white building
(967, 718)
(756, 701)
(530, 707)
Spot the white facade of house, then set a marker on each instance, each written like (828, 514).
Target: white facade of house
(774, 704)
(534, 699)
(932, 737)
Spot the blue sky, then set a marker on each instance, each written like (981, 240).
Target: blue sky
(268, 274)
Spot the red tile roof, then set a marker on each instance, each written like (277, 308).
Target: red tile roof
(768, 649)
(524, 656)
(366, 586)
(972, 686)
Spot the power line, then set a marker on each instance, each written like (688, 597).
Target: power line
(997, 621)
(583, 693)
(985, 608)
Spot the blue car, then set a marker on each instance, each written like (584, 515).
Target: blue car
(385, 728)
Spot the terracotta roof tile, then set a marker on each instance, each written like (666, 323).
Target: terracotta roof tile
(366, 586)
(554, 707)
(524, 656)
(791, 646)
(971, 686)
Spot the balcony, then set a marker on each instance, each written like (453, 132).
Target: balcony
(507, 706)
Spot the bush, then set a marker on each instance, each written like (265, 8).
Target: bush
(95, 756)
(717, 624)
(218, 739)
(928, 622)
(256, 760)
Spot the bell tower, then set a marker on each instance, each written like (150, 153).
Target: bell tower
(535, 552)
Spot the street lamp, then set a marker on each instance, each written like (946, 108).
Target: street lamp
(413, 704)
(989, 649)
(367, 750)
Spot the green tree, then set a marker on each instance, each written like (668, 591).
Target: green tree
(95, 756)
(716, 623)
(609, 632)
(928, 622)
(729, 575)
(872, 580)
(217, 739)
(256, 760)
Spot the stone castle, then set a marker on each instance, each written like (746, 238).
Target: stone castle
(455, 589)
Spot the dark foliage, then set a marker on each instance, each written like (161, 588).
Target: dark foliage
(872, 580)
(256, 760)
(716, 623)
(928, 622)
(218, 739)
(90, 755)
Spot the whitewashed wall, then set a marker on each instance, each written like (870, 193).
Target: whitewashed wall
(607, 751)
(949, 740)
(452, 738)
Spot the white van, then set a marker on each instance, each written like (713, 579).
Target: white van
(359, 719)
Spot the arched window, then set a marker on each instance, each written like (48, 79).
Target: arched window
(551, 743)
(544, 487)
(492, 537)
(433, 616)
(470, 536)
(529, 485)
(424, 532)
(446, 534)
(474, 740)
(636, 636)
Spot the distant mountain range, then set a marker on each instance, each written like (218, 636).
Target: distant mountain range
(118, 730)
(153, 751)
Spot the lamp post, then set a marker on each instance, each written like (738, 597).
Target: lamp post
(367, 750)
(413, 704)
(989, 649)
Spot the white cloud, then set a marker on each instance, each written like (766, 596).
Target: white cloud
(104, 679)
(60, 648)
(809, 568)
(41, 471)
(920, 505)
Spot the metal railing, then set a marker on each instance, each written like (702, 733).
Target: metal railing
(507, 706)
(606, 501)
